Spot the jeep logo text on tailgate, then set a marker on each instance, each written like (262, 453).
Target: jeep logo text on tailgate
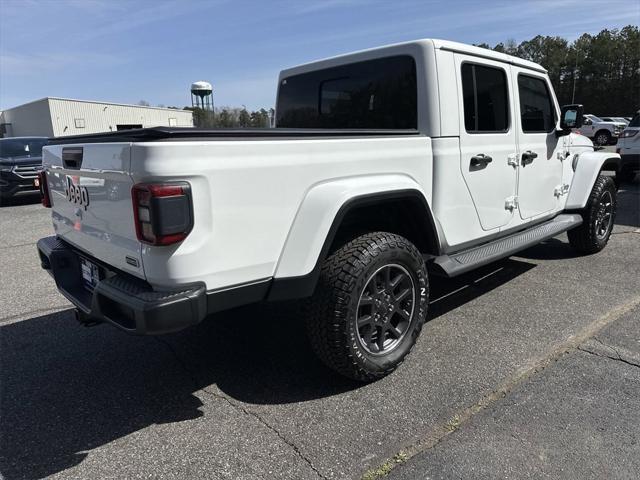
(76, 194)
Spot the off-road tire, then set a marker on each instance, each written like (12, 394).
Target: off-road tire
(602, 137)
(331, 313)
(586, 237)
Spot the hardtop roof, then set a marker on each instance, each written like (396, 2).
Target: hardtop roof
(411, 46)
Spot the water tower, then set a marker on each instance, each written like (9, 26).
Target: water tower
(202, 95)
(202, 98)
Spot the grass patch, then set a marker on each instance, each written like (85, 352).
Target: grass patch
(453, 423)
(386, 467)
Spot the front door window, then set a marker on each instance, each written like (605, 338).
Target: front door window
(540, 175)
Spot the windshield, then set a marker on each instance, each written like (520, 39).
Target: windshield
(635, 122)
(594, 118)
(22, 147)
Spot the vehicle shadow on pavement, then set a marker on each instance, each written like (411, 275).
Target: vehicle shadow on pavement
(23, 199)
(450, 293)
(67, 389)
(551, 249)
(627, 217)
(628, 214)
(261, 355)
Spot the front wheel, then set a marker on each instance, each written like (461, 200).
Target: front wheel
(369, 306)
(598, 217)
(603, 137)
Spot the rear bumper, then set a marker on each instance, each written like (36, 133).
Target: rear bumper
(120, 299)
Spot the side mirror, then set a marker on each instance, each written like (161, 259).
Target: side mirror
(570, 117)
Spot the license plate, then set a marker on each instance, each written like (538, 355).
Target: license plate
(36, 182)
(90, 273)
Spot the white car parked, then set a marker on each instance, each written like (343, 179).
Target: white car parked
(629, 149)
(388, 168)
(616, 120)
(601, 131)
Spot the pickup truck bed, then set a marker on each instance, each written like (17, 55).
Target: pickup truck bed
(250, 191)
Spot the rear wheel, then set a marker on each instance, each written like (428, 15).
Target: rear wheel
(369, 306)
(603, 137)
(598, 217)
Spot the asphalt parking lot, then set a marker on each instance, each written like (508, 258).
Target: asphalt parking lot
(528, 368)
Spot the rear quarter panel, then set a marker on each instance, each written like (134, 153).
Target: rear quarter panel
(246, 195)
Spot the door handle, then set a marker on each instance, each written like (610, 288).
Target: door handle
(480, 159)
(528, 157)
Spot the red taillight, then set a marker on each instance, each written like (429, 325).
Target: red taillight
(162, 212)
(45, 198)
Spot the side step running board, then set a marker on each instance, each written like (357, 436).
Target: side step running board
(466, 260)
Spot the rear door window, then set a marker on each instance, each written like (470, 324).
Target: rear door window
(537, 113)
(374, 94)
(486, 99)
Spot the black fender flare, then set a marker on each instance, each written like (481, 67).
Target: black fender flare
(288, 288)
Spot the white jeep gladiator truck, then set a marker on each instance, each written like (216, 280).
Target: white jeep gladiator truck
(388, 168)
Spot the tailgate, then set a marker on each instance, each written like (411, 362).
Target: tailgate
(90, 189)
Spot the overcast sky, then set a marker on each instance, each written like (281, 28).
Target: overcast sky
(126, 51)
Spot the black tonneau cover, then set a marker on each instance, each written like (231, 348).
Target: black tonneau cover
(155, 134)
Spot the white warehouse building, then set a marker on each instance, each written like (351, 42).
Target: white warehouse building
(56, 117)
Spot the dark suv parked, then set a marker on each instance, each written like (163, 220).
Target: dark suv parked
(20, 162)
